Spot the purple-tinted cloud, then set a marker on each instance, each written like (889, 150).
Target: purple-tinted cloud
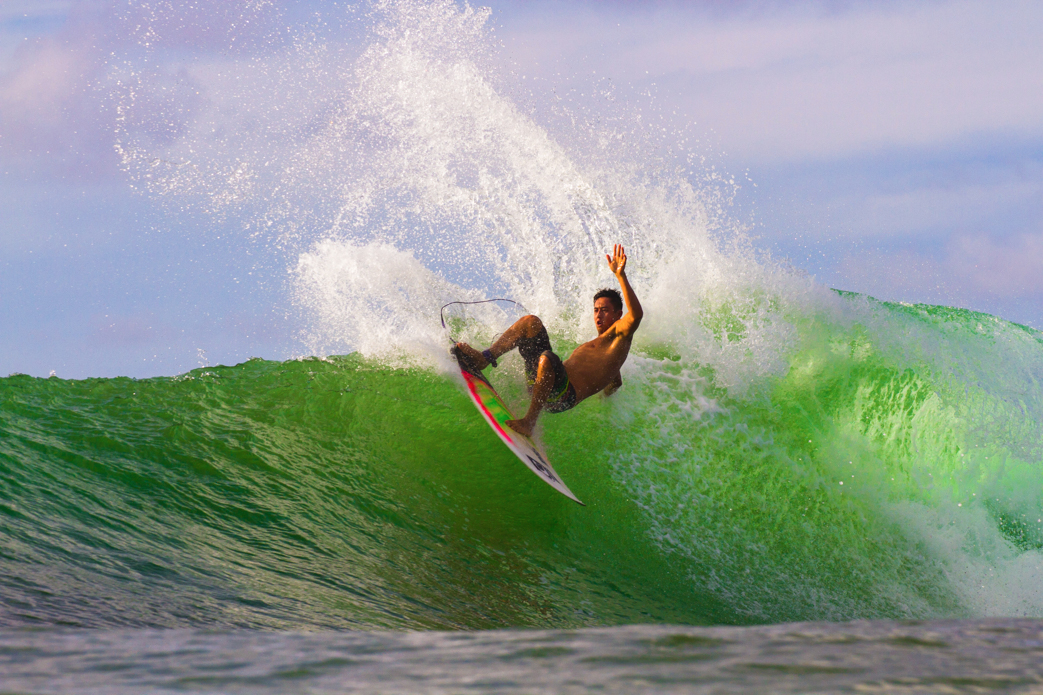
(795, 81)
(1010, 268)
(970, 270)
(50, 116)
(924, 210)
(56, 114)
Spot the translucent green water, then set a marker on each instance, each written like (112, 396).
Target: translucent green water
(866, 481)
(301, 494)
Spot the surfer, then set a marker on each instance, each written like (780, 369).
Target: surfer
(593, 367)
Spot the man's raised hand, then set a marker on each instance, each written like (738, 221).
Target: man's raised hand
(617, 262)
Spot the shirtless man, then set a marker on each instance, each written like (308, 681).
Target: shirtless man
(593, 366)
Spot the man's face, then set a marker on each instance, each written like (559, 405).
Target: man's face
(605, 314)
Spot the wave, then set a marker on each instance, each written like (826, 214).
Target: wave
(779, 451)
(345, 493)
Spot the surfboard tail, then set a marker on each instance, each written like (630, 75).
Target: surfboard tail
(496, 413)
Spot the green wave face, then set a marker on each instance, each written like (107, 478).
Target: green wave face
(301, 494)
(868, 480)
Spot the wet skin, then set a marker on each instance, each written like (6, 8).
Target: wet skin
(594, 365)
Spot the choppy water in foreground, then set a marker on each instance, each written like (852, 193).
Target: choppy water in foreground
(996, 656)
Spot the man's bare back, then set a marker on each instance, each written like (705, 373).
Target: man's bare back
(593, 366)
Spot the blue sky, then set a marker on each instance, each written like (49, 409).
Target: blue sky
(892, 148)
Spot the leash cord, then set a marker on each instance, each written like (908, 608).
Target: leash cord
(441, 312)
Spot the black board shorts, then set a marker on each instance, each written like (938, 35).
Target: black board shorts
(563, 394)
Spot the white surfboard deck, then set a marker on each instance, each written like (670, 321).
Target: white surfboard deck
(496, 413)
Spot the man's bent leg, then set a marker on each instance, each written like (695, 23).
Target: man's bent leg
(527, 327)
(540, 392)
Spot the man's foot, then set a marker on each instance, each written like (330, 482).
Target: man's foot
(521, 426)
(476, 357)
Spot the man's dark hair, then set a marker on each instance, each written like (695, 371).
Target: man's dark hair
(613, 296)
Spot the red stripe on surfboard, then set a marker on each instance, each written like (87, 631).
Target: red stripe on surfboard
(489, 416)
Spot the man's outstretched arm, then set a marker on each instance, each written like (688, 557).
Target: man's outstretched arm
(617, 263)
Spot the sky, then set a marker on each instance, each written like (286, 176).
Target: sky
(891, 148)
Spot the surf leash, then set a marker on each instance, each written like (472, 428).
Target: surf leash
(441, 312)
(452, 340)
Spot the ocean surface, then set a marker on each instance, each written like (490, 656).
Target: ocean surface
(875, 657)
(276, 526)
(797, 489)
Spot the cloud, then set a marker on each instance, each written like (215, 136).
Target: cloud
(902, 275)
(773, 82)
(55, 110)
(938, 206)
(50, 116)
(184, 24)
(997, 275)
(795, 81)
(1010, 268)
(39, 88)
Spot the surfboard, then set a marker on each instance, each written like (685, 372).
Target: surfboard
(496, 413)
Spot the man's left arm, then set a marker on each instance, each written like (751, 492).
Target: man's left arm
(627, 325)
(632, 319)
(617, 263)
